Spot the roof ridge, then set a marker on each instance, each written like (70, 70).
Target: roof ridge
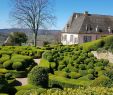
(94, 14)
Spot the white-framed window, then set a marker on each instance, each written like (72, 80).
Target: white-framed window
(71, 38)
(64, 37)
(75, 40)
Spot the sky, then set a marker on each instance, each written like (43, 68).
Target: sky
(63, 10)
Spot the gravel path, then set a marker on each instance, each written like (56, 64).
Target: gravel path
(24, 81)
(37, 61)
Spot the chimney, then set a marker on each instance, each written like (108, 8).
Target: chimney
(86, 13)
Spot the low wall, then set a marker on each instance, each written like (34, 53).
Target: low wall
(103, 55)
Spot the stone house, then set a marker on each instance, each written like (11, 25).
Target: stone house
(85, 27)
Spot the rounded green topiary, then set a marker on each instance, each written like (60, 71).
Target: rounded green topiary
(61, 73)
(8, 64)
(105, 62)
(100, 81)
(8, 76)
(4, 58)
(53, 65)
(74, 75)
(82, 66)
(66, 69)
(90, 65)
(90, 54)
(38, 76)
(60, 67)
(17, 66)
(91, 77)
(91, 71)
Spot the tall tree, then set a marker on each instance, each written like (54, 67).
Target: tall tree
(16, 38)
(34, 14)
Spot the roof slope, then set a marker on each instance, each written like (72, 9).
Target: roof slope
(89, 23)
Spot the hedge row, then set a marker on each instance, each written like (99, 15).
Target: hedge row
(60, 82)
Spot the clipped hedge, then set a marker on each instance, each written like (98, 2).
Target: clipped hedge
(61, 82)
(17, 66)
(38, 76)
(100, 81)
(18, 74)
(8, 64)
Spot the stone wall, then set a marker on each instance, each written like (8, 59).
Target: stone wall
(103, 55)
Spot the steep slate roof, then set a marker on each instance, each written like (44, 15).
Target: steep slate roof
(87, 23)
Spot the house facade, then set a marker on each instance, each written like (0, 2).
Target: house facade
(85, 27)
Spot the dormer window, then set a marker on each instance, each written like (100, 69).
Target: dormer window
(109, 29)
(100, 30)
(88, 27)
(76, 16)
(67, 25)
(97, 28)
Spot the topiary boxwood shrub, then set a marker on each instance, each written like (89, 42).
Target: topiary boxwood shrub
(38, 76)
(38, 54)
(22, 61)
(60, 67)
(18, 74)
(8, 64)
(53, 65)
(17, 66)
(74, 75)
(101, 81)
(62, 82)
(91, 77)
(8, 76)
(4, 58)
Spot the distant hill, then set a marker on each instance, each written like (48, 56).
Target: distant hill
(41, 31)
(43, 35)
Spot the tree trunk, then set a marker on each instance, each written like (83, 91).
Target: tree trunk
(35, 39)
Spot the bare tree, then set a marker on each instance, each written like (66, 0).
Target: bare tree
(34, 14)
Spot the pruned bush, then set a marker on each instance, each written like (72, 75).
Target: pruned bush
(90, 65)
(83, 72)
(99, 64)
(61, 73)
(99, 68)
(25, 60)
(60, 67)
(4, 58)
(105, 62)
(100, 81)
(66, 69)
(8, 76)
(38, 76)
(19, 74)
(86, 61)
(90, 54)
(53, 65)
(90, 77)
(91, 71)
(8, 64)
(108, 40)
(82, 66)
(45, 54)
(17, 66)
(62, 82)
(75, 75)
(38, 54)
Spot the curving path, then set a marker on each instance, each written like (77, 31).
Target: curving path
(24, 81)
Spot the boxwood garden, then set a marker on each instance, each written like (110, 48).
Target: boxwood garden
(63, 70)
